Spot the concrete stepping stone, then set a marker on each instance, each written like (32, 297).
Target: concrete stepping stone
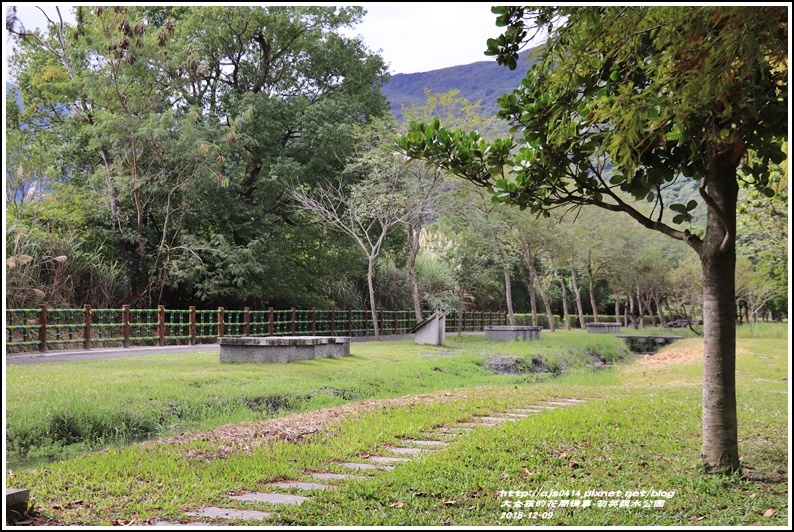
(303, 486)
(358, 466)
(454, 430)
(229, 513)
(334, 476)
(387, 459)
(558, 403)
(407, 450)
(492, 419)
(169, 523)
(274, 498)
(527, 410)
(476, 425)
(427, 443)
(517, 416)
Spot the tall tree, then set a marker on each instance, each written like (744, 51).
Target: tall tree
(625, 101)
(426, 181)
(194, 119)
(368, 210)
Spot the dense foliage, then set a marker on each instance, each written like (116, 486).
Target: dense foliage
(178, 191)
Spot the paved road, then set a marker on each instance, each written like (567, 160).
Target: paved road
(121, 352)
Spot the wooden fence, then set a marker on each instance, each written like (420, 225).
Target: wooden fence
(46, 329)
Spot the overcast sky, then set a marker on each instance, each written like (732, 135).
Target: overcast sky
(411, 37)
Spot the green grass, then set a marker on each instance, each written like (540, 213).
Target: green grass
(639, 429)
(58, 410)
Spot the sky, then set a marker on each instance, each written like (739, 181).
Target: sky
(410, 36)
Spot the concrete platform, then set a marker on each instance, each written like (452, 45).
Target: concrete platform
(282, 349)
(507, 333)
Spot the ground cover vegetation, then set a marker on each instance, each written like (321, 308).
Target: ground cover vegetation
(175, 184)
(622, 102)
(59, 409)
(636, 429)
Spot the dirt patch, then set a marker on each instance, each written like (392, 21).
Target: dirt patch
(293, 428)
(679, 354)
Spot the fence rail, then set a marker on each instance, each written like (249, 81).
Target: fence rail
(46, 329)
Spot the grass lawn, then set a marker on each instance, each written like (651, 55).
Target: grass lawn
(232, 428)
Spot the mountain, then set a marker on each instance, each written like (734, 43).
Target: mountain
(483, 81)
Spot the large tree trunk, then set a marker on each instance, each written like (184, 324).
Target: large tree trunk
(508, 286)
(578, 293)
(545, 299)
(564, 300)
(371, 286)
(530, 288)
(617, 305)
(414, 230)
(720, 451)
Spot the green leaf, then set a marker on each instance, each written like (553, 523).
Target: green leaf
(691, 205)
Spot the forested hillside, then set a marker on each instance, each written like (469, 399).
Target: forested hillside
(483, 81)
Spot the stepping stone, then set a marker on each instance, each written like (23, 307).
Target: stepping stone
(229, 513)
(557, 403)
(527, 410)
(476, 425)
(574, 400)
(169, 523)
(407, 450)
(354, 465)
(427, 443)
(518, 416)
(454, 430)
(387, 459)
(275, 498)
(494, 419)
(304, 486)
(334, 476)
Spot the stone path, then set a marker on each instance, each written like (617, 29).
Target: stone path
(379, 464)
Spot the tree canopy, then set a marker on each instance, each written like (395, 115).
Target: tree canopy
(624, 101)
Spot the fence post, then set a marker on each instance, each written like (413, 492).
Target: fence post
(396, 322)
(333, 328)
(269, 320)
(247, 322)
(220, 322)
(160, 325)
(86, 326)
(292, 321)
(43, 328)
(350, 321)
(125, 325)
(192, 327)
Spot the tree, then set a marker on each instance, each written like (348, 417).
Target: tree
(425, 181)
(369, 209)
(623, 102)
(191, 121)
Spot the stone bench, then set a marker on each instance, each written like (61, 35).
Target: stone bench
(504, 333)
(603, 327)
(282, 348)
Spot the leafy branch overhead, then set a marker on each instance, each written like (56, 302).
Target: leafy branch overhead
(623, 104)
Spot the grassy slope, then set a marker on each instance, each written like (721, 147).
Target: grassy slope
(639, 429)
